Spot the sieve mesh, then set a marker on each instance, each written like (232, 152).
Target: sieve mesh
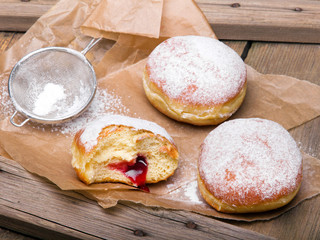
(52, 84)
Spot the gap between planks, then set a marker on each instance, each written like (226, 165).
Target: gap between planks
(257, 20)
(267, 56)
(42, 226)
(56, 212)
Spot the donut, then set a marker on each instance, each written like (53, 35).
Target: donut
(122, 149)
(194, 79)
(249, 165)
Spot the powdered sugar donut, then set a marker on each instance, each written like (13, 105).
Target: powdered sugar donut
(194, 79)
(122, 149)
(249, 165)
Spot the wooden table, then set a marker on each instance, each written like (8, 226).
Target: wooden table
(39, 209)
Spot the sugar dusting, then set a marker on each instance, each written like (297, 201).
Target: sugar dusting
(188, 192)
(5, 102)
(191, 191)
(47, 100)
(90, 135)
(249, 158)
(104, 102)
(197, 70)
(51, 84)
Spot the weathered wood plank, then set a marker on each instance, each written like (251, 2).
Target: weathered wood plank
(287, 21)
(7, 234)
(300, 61)
(7, 39)
(238, 46)
(296, 60)
(281, 21)
(35, 206)
(299, 223)
(16, 15)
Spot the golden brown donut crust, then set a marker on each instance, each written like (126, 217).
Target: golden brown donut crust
(223, 206)
(100, 157)
(194, 114)
(194, 79)
(249, 165)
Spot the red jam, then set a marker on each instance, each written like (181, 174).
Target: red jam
(136, 171)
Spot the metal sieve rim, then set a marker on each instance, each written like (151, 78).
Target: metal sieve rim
(29, 115)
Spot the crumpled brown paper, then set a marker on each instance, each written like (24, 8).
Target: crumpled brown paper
(189, 196)
(141, 17)
(119, 62)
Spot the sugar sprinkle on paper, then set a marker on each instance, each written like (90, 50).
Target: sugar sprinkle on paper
(188, 192)
(105, 102)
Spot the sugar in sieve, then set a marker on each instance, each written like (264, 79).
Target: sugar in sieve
(52, 85)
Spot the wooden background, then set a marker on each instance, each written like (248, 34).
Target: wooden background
(41, 210)
(259, 20)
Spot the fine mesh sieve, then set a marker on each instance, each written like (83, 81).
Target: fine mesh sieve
(52, 85)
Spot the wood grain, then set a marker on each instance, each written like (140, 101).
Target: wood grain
(26, 215)
(238, 46)
(273, 20)
(296, 60)
(34, 206)
(7, 39)
(300, 61)
(16, 15)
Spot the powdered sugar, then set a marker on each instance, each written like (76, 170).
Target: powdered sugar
(188, 192)
(51, 84)
(191, 191)
(104, 103)
(198, 70)
(91, 133)
(48, 98)
(6, 105)
(250, 160)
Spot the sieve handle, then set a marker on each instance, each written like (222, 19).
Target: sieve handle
(17, 124)
(91, 44)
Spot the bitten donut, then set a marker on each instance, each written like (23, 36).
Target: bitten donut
(194, 79)
(249, 165)
(123, 149)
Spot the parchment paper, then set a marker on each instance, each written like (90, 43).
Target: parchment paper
(119, 62)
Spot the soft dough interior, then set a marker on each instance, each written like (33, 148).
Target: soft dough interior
(121, 145)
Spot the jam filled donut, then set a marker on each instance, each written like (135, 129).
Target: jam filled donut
(122, 149)
(194, 79)
(249, 165)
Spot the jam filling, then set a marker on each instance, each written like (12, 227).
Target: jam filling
(136, 171)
